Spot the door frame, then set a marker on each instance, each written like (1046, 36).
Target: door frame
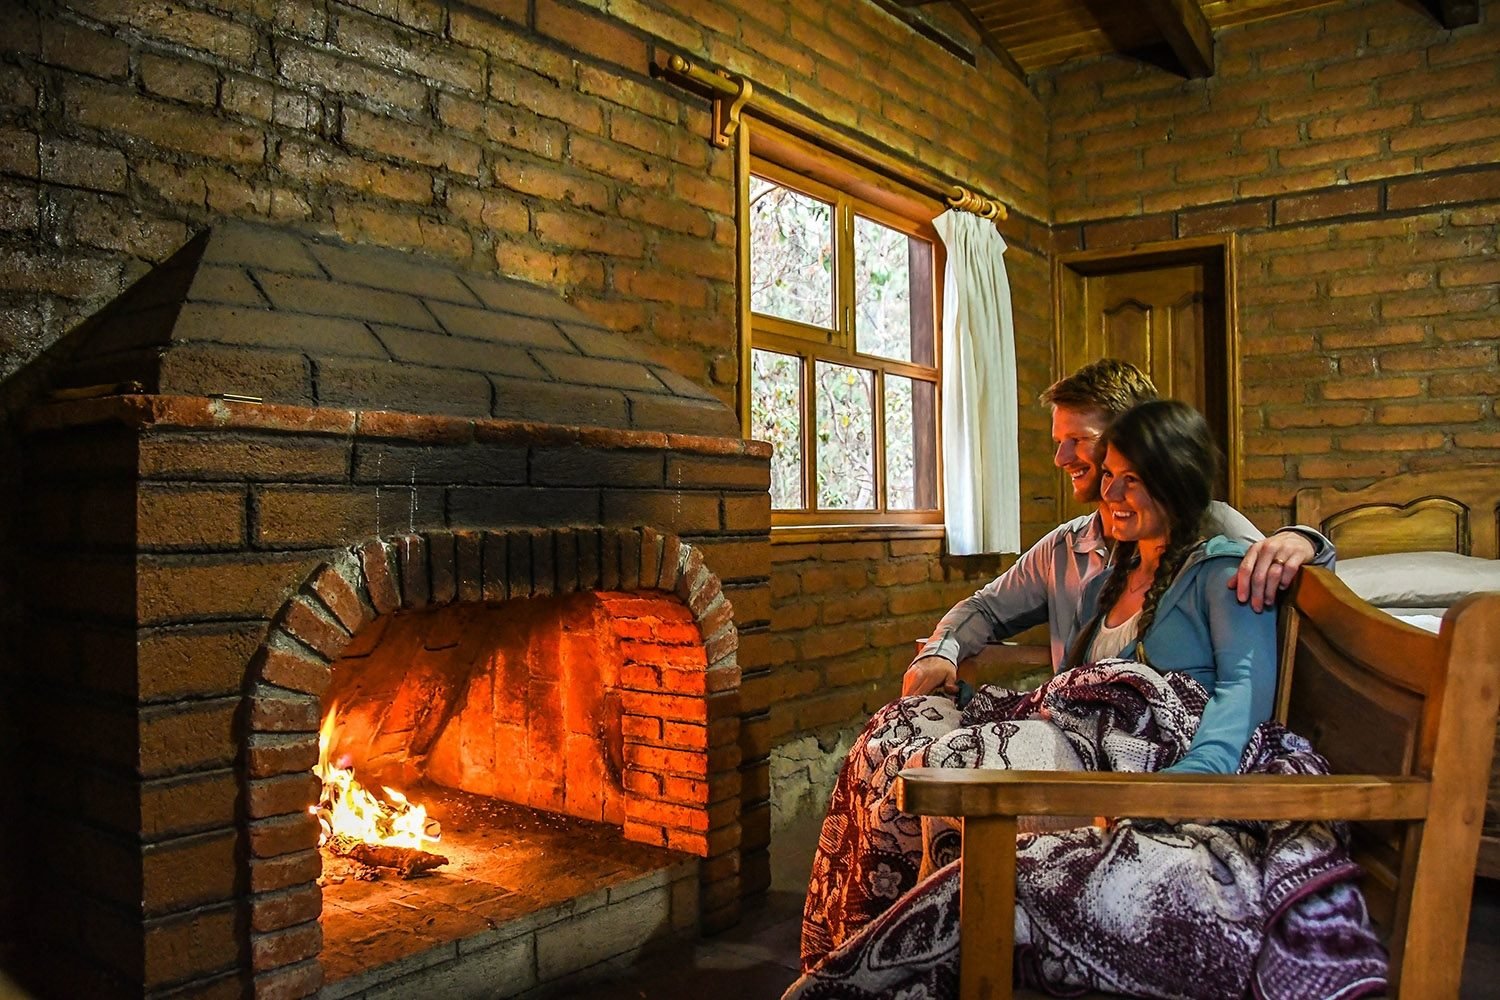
(1070, 269)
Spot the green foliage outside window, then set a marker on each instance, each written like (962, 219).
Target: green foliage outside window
(861, 374)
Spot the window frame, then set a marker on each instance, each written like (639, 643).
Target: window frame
(853, 191)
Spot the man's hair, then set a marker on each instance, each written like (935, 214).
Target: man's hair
(1108, 384)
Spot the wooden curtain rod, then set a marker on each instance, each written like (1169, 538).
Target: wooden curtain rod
(732, 95)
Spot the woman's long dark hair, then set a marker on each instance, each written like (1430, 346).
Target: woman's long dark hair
(1173, 452)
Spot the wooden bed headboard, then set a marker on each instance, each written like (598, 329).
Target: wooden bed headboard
(1443, 510)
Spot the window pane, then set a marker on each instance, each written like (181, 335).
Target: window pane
(776, 418)
(892, 293)
(791, 254)
(910, 444)
(846, 445)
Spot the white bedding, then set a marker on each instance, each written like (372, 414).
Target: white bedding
(1420, 619)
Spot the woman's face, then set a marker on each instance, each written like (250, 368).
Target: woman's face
(1132, 514)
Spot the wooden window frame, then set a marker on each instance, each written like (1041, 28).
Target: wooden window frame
(853, 190)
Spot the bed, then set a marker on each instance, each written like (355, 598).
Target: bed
(1412, 545)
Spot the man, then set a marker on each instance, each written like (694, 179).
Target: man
(1045, 583)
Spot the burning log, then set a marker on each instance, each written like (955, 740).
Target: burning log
(409, 861)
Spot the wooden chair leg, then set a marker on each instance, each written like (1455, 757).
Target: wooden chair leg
(987, 908)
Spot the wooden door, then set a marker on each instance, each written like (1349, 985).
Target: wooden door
(1164, 313)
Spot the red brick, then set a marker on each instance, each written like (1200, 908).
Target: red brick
(193, 662)
(270, 874)
(175, 590)
(375, 560)
(301, 621)
(289, 982)
(269, 755)
(164, 124)
(174, 806)
(190, 871)
(87, 51)
(282, 835)
(283, 947)
(666, 761)
(294, 669)
(274, 710)
(1453, 188)
(598, 36)
(193, 944)
(284, 795)
(274, 911)
(404, 141)
(1327, 204)
(195, 736)
(338, 594)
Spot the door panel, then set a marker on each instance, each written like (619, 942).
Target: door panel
(1168, 319)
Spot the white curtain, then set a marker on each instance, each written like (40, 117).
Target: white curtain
(981, 464)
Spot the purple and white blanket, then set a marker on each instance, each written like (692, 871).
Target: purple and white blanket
(1143, 908)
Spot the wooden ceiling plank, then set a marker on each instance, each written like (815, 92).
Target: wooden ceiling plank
(1234, 13)
(991, 41)
(1186, 30)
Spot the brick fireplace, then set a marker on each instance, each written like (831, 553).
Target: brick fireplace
(281, 472)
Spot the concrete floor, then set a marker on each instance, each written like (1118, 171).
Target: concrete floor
(757, 959)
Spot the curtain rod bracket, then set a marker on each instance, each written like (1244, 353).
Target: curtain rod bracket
(727, 111)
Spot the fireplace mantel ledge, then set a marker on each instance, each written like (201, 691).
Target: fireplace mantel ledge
(139, 411)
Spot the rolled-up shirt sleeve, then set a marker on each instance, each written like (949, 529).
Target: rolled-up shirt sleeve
(1012, 602)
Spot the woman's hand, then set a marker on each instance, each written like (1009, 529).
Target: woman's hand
(928, 674)
(1269, 567)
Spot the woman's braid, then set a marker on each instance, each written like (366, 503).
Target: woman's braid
(1166, 571)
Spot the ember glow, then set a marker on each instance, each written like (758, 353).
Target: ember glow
(346, 808)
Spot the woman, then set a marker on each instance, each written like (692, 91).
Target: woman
(1202, 678)
(1166, 601)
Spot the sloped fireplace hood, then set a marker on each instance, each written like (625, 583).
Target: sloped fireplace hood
(284, 316)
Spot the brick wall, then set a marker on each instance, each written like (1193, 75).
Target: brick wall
(1356, 152)
(525, 137)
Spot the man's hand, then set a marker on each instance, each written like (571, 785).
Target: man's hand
(928, 674)
(1269, 566)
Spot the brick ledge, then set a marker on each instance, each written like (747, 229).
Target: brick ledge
(142, 411)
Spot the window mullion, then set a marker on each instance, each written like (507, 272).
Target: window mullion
(878, 434)
(809, 432)
(844, 259)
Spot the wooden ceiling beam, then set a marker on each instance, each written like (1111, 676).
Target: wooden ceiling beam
(1187, 32)
(1455, 13)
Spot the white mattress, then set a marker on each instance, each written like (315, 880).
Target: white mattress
(1420, 617)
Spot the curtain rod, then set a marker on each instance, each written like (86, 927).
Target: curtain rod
(732, 95)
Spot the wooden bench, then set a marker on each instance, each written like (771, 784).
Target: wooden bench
(1406, 719)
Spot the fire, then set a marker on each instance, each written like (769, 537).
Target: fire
(346, 808)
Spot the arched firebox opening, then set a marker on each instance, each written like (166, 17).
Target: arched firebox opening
(536, 693)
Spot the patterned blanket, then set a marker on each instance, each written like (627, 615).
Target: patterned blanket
(1144, 907)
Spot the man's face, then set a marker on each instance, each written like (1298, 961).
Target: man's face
(1076, 434)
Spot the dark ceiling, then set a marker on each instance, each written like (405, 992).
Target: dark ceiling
(1033, 35)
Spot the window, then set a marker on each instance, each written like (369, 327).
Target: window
(842, 367)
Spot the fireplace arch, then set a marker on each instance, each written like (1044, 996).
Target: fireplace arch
(677, 691)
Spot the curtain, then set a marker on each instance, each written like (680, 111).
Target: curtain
(981, 463)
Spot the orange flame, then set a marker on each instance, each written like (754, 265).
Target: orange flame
(347, 808)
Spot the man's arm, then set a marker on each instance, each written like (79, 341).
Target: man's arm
(1272, 562)
(1010, 603)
